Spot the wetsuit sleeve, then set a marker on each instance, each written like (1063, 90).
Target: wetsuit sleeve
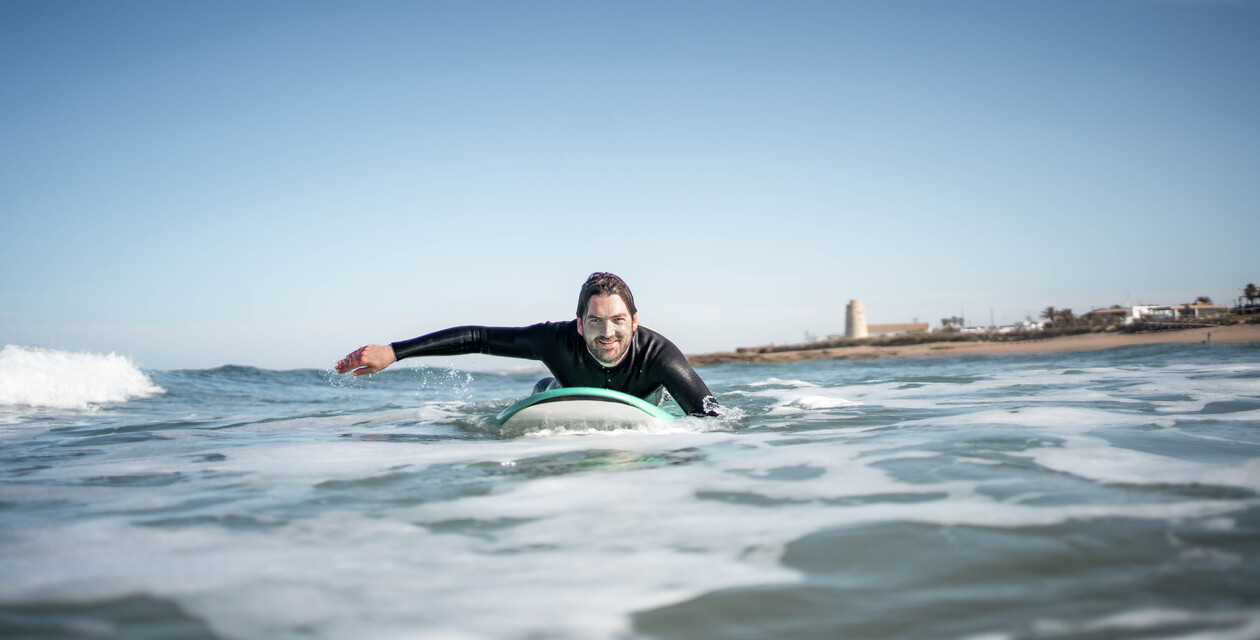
(685, 385)
(511, 342)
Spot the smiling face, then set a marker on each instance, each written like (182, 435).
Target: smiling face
(607, 328)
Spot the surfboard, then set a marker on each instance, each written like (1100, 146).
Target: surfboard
(582, 408)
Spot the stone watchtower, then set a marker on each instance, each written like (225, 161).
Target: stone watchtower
(855, 319)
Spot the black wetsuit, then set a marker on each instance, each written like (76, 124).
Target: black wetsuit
(651, 361)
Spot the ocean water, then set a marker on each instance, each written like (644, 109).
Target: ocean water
(1110, 494)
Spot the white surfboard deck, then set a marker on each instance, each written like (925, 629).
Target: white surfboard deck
(580, 408)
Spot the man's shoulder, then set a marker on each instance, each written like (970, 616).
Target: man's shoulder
(649, 337)
(558, 331)
(563, 325)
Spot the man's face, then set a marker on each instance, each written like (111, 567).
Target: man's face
(607, 328)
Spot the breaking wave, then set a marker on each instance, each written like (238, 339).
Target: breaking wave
(35, 377)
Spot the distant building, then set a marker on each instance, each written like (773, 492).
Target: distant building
(855, 325)
(1199, 310)
(1129, 315)
(855, 319)
(898, 329)
(1022, 327)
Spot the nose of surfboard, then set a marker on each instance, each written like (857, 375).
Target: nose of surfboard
(575, 406)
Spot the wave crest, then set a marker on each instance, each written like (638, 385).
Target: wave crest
(31, 376)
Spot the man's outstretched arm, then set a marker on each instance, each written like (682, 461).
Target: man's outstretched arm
(496, 341)
(369, 359)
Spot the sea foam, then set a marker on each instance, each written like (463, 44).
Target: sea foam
(35, 377)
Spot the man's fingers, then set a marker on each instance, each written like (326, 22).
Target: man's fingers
(368, 359)
(351, 361)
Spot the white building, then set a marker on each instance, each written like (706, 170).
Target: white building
(855, 319)
(1129, 315)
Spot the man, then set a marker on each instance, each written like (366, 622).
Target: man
(604, 347)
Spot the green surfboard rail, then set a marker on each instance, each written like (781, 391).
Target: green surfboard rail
(583, 392)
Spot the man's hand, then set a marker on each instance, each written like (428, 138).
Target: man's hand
(369, 359)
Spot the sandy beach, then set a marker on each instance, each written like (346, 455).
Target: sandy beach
(1084, 342)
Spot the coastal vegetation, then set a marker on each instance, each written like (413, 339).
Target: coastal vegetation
(1251, 294)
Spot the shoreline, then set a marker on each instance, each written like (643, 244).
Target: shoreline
(1231, 334)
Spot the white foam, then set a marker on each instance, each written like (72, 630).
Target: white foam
(1059, 420)
(1246, 624)
(775, 382)
(30, 376)
(807, 398)
(821, 402)
(1096, 459)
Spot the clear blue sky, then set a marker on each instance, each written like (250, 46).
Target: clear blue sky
(276, 183)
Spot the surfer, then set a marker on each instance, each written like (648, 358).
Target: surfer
(604, 347)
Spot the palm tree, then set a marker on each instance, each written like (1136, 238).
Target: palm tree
(1067, 316)
(1203, 300)
(1250, 292)
(1050, 313)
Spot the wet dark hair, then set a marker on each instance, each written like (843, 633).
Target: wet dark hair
(605, 284)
